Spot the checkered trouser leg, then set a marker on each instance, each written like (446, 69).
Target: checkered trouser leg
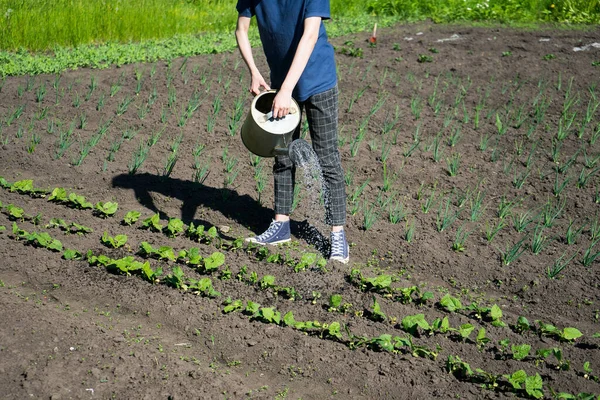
(322, 115)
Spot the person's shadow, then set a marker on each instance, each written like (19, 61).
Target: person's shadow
(243, 209)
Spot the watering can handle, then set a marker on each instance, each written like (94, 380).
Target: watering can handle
(269, 115)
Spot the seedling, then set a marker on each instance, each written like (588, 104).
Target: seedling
(590, 255)
(174, 227)
(538, 240)
(481, 340)
(520, 352)
(77, 201)
(376, 314)
(152, 223)
(531, 385)
(107, 209)
(131, 217)
(567, 334)
(176, 279)
(232, 306)
(113, 242)
(411, 323)
(445, 217)
(441, 325)
(162, 253)
(450, 303)
(513, 252)
(38, 239)
(71, 254)
(15, 213)
(522, 220)
(203, 287)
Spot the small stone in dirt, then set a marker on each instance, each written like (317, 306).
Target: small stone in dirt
(224, 228)
(252, 343)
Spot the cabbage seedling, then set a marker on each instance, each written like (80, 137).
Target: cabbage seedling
(107, 209)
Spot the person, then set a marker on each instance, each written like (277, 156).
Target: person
(302, 66)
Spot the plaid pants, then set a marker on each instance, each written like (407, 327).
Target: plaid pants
(322, 115)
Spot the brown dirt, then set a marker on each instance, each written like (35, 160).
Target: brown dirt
(71, 330)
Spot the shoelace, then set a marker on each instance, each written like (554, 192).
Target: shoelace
(270, 231)
(337, 243)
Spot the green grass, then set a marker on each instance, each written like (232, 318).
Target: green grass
(43, 36)
(523, 11)
(44, 24)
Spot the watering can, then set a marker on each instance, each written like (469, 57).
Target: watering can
(266, 136)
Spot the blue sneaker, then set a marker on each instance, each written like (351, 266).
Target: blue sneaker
(339, 247)
(278, 232)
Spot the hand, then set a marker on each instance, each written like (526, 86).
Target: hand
(281, 104)
(257, 82)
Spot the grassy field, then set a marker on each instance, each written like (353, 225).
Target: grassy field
(43, 24)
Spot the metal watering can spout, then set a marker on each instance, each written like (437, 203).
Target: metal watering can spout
(265, 136)
(301, 153)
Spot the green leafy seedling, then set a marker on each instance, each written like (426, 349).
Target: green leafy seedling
(174, 227)
(376, 314)
(267, 282)
(113, 242)
(481, 340)
(58, 195)
(441, 325)
(78, 201)
(204, 287)
(520, 352)
(107, 209)
(233, 306)
(71, 254)
(131, 217)
(495, 314)
(150, 274)
(269, 314)
(79, 229)
(307, 260)
(214, 261)
(176, 278)
(411, 323)
(15, 213)
(335, 301)
(252, 308)
(23, 187)
(152, 223)
(450, 303)
(57, 223)
(465, 331)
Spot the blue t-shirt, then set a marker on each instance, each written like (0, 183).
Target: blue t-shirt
(281, 24)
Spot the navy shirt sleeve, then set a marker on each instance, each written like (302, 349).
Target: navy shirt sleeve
(317, 8)
(244, 8)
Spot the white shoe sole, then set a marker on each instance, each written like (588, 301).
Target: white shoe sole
(253, 240)
(340, 259)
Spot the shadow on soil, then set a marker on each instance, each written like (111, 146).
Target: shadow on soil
(243, 209)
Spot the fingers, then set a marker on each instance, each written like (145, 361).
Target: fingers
(281, 106)
(258, 82)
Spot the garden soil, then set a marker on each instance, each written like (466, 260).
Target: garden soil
(75, 331)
